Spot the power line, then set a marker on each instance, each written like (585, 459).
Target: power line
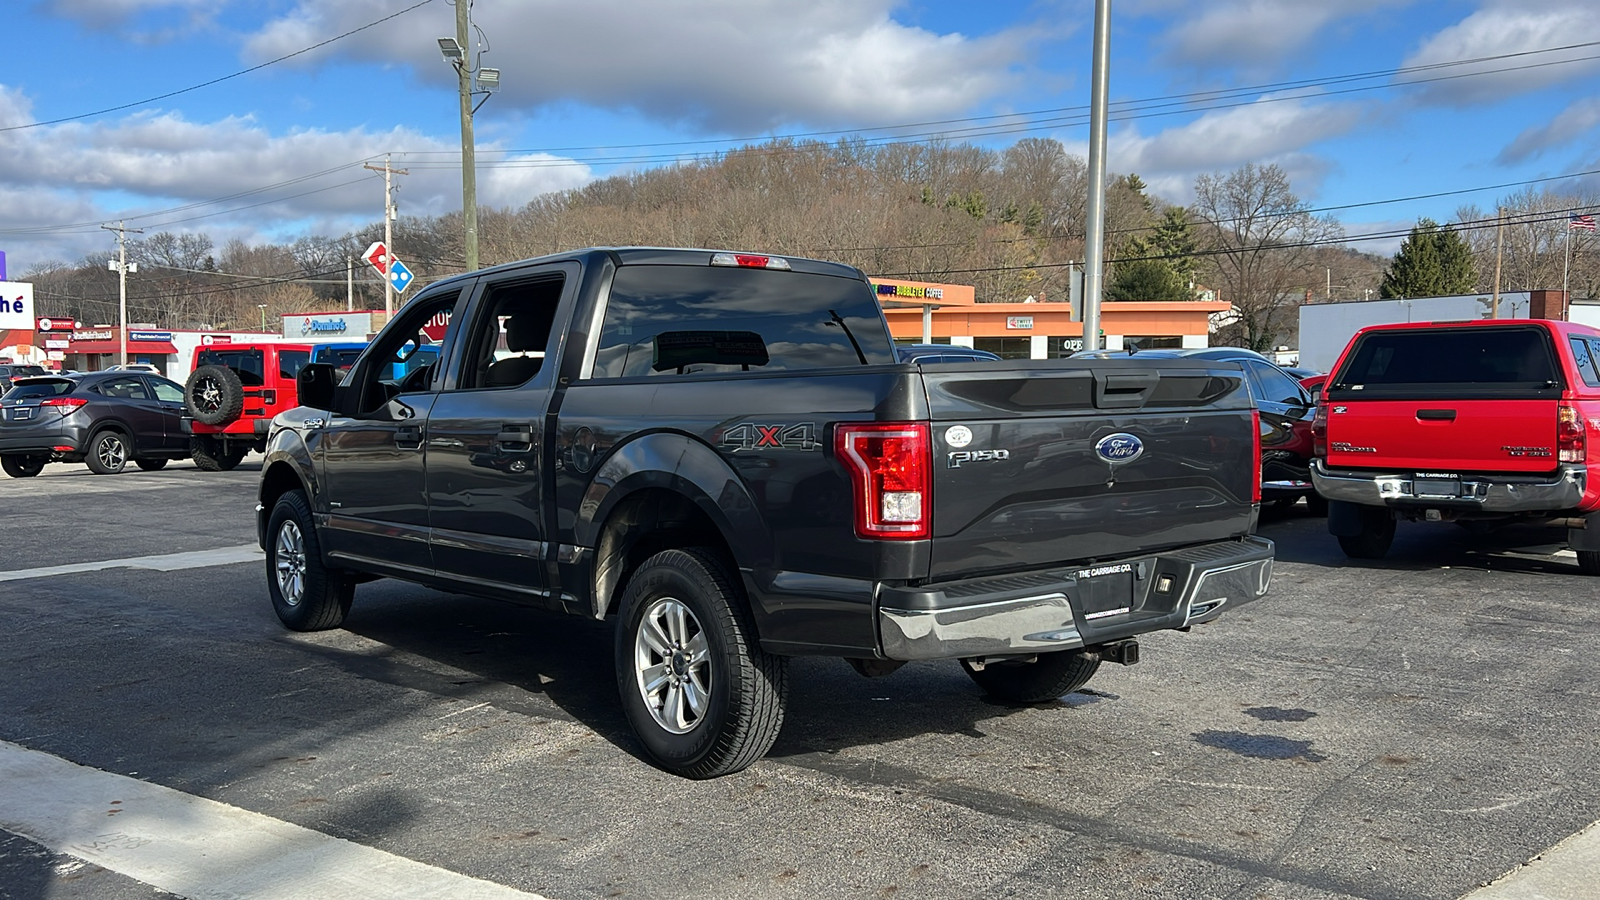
(270, 62)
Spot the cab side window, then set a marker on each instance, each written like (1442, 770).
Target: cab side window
(1275, 384)
(403, 358)
(512, 339)
(1583, 351)
(167, 392)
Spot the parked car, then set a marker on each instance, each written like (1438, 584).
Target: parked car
(232, 395)
(1287, 413)
(343, 354)
(135, 367)
(1299, 374)
(721, 453)
(12, 371)
(937, 353)
(1313, 385)
(1483, 423)
(103, 419)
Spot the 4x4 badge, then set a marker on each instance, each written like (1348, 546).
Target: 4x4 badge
(751, 436)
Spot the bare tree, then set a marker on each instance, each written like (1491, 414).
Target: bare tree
(1262, 241)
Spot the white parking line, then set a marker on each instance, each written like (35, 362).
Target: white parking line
(170, 562)
(1568, 871)
(202, 849)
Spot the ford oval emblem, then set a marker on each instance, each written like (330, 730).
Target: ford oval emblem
(1119, 448)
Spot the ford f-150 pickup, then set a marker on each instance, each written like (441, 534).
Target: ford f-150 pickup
(720, 452)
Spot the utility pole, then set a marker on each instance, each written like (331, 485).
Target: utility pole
(388, 233)
(1499, 227)
(350, 283)
(122, 267)
(1095, 235)
(469, 150)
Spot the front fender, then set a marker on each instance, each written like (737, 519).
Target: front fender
(288, 465)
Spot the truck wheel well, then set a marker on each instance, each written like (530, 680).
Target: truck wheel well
(642, 526)
(277, 481)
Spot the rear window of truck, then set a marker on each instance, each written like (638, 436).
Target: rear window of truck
(1463, 362)
(690, 320)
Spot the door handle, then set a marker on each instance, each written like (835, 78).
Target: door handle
(1446, 415)
(514, 439)
(408, 437)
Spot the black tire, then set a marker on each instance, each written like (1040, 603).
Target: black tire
(209, 456)
(1589, 562)
(306, 595)
(698, 614)
(18, 466)
(109, 450)
(1316, 504)
(214, 395)
(151, 465)
(1050, 676)
(1377, 533)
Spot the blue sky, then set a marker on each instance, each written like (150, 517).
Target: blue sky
(603, 86)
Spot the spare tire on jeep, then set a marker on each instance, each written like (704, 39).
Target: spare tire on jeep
(214, 395)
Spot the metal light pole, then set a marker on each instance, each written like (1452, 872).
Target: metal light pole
(1095, 234)
(457, 52)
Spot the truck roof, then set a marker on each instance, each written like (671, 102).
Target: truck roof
(669, 256)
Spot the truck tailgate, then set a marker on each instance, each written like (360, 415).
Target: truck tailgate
(1019, 482)
(1443, 435)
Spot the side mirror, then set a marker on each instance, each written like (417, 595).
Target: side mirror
(315, 383)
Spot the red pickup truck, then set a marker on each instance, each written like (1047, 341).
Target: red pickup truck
(1481, 423)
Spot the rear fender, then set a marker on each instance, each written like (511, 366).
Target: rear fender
(680, 465)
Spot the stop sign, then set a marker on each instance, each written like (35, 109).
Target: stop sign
(436, 326)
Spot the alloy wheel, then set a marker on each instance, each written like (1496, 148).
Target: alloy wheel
(289, 554)
(672, 665)
(111, 452)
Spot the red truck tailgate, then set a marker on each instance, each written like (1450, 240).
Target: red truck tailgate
(1447, 398)
(1443, 435)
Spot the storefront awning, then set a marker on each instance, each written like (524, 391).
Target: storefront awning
(145, 347)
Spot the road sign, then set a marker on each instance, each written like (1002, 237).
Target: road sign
(377, 256)
(399, 275)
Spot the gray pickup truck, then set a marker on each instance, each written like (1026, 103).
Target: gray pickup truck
(722, 452)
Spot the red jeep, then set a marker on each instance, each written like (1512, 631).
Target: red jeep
(1483, 423)
(232, 395)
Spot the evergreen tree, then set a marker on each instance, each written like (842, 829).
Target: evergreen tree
(1146, 279)
(1432, 262)
(1174, 240)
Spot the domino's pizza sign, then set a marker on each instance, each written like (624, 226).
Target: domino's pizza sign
(16, 306)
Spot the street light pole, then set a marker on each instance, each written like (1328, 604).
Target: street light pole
(469, 155)
(122, 267)
(1095, 234)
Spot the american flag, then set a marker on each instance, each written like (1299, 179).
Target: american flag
(1585, 223)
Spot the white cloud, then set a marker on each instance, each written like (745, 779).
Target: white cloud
(1572, 123)
(83, 173)
(1247, 33)
(711, 65)
(1502, 27)
(1271, 130)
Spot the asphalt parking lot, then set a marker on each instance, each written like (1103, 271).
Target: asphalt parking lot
(1411, 728)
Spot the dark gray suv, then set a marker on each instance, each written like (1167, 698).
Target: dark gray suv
(103, 419)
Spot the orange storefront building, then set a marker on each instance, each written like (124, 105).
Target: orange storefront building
(923, 312)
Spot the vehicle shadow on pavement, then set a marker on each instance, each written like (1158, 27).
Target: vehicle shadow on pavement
(1423, 546)
(561, 667)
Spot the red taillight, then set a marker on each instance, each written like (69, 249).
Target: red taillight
(1319, 432)
(67, 405)
(1255, 448)
(890, 478)
(1569, 435)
